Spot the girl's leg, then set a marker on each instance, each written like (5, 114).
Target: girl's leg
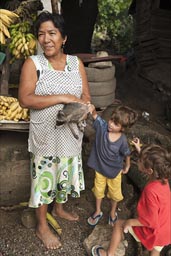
(43, 231)
(117, 236)
(59, 211)
(154, 253)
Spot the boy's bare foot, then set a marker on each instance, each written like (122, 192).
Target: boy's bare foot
(65, 215)
(48, 238)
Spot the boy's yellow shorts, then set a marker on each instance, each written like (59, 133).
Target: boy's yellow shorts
(114, 191)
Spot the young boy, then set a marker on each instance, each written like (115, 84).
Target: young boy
(109, 151)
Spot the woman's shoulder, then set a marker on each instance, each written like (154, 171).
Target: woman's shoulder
(72, 62)
(72, 57)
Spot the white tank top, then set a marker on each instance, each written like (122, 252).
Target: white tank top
(44, 138)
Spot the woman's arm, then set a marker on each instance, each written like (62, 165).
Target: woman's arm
(27, 96)
(86, 91)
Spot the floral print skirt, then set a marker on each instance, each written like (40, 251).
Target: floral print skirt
(55, 178)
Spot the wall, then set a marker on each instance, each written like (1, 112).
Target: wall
(14, 168)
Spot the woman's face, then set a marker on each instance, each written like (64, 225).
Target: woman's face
(50, 38)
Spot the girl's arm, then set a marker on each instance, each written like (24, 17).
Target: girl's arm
(136, 143)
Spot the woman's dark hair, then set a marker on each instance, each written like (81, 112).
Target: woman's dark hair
(124, 116)
(158, 159)
(57, 20)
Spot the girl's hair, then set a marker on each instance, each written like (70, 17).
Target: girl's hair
(57, 20)
(158, 159)
(124, 116)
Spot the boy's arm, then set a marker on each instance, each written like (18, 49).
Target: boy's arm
(127, 165)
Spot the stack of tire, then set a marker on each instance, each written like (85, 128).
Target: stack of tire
(102, 83)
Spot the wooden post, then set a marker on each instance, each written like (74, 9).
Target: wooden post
(5, 74)
(56, 6)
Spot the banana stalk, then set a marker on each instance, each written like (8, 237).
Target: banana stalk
(53, 223)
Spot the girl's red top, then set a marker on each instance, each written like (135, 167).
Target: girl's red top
(154, 213)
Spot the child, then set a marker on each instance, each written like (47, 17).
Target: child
(108, 153)
(152, 227)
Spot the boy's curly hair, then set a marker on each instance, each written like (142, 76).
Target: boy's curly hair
(158, 159)
(125, 116)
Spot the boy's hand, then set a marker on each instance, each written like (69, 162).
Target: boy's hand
(92, 110)
(125, 170)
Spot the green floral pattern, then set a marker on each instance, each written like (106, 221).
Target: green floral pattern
(55, 178)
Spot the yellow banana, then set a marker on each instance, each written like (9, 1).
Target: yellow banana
(14, 106)
(32, 43)
(2, 117)
(13, 114)
(26, 46)
(54, 224)
(3, 98)
(19, 46)
(2, 38)
(6, 20)
(8, 13)
(5, 30)
(18, 56)
(25, 114)
(24, 39)
(22, 49)
(15, 52)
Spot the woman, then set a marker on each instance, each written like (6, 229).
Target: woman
(48, 81)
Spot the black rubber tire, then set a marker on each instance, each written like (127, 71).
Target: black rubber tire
(100, 74)
(103, 101)
(102, 88)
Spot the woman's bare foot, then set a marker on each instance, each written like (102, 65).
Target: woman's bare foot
(48, 238)
(65, 215)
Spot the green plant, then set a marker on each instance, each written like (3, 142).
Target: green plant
(114, 24)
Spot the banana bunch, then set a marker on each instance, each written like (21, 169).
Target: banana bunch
(23, 43)
(10, 109)
(6, 19)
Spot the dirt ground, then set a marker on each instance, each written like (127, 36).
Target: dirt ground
(18, 240)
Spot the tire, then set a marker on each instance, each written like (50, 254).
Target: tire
(103, 101)
(100, 74)
(102, 88)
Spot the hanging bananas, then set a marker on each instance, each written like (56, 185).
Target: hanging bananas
(6, 19)
(23, 43)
